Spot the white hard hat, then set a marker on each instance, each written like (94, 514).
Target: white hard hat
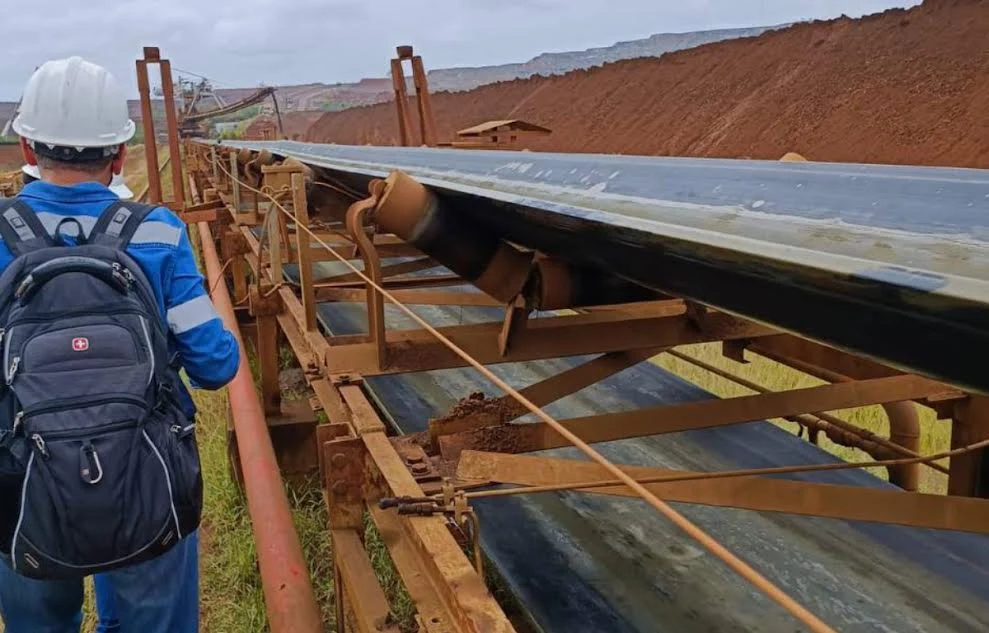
(72, 103)
(117, 184)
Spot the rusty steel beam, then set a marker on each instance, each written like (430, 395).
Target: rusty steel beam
(267, 353)
(329, 398)
(417, 350)
(432, 281)
(392, 270)
(359, 586)
(904, 427)
(148, 124)
(319, 254)
(765, 494)
(523, 438)
(171, 124)
(412, 297)
(401, 102)
(970, 473)
(288, 593)
(449, 593)
(819, 360)
(301, 209)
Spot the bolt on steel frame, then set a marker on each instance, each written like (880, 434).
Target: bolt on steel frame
(266, 213)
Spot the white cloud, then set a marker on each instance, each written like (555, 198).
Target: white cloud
(246, 42)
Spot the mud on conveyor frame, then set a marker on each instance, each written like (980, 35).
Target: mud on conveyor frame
(269, 214)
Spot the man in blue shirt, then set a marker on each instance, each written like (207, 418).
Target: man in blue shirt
(73, 125)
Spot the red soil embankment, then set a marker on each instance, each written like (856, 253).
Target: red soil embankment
(906, 87)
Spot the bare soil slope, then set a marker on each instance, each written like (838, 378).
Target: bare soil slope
(899, 87)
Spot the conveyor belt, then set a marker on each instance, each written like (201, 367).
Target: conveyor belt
(889, 262)
(582, 563)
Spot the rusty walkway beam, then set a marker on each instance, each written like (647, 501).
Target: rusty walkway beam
(765, 494)
(288, 593)
(359, 586)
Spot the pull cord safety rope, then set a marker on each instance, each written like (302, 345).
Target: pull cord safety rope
(742, 568)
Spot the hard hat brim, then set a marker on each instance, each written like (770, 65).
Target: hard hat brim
(106, 140)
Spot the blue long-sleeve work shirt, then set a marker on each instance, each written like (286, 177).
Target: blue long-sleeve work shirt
(161, 246)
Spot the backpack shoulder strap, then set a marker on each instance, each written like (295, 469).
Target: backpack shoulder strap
(118, 223)
(20, 227)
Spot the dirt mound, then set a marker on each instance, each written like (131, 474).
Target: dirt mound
(897, 87)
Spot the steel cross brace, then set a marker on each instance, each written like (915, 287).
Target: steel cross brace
(850, 503)
(522, 438)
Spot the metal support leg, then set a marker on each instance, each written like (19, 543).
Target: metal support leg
(372, 268)
(904, 430)
(234, 182)
(268, 359)
(301, 210)
(148, 123)
(970, 473)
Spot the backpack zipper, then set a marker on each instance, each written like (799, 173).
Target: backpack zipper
(60, 435)
(54, 316)
(55, 405)
(42, 444)
(13, 370)
(151, 349)
(8, 334)
(39, 443)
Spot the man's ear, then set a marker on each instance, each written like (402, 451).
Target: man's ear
(117, 165)
(29, 156)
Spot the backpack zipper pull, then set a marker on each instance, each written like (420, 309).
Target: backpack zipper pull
(3, 333)
(18, 420)
(40, 443)
(13, 369)
(123, 272)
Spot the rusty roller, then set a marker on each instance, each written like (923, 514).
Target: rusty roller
(556, 284)
(307, 172)
(252, 168)
(416, 215)
(244, 156)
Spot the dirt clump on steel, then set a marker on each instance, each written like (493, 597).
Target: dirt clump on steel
(477, 402)
(901, 87)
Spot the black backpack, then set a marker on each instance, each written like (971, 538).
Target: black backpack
(99, 467)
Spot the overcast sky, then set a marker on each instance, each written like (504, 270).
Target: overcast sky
(246, 42)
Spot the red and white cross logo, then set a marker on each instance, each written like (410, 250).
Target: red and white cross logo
(80, 344)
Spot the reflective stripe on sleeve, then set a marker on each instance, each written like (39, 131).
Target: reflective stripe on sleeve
(191, 314)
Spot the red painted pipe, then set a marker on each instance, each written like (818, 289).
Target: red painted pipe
(288, 593)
